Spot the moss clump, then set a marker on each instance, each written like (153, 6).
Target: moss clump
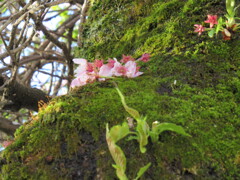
(211, 119)
(191, 81)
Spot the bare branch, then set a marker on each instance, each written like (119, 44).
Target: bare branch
(18, 49)
(59, 83)
(15, 16)
(30, 55)
(82, 21)
(54, 3)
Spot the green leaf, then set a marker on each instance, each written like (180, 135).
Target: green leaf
(143, 133)
(159, 128)
(134, 113)
(230, 7)
(4, 10)
(142, 171)
(132, 138)
(119, 131)
(219, 25)
(116, 152)
(211, 33)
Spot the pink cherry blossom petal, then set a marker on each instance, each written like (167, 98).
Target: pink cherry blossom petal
(111, 63)
(126, 59)
(145, 57)
(80, 61)
(132, 69)
(106, 71)
(98, 63)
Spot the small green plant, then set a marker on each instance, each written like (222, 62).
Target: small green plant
(113, 136)
(141, 133)
(228, 26)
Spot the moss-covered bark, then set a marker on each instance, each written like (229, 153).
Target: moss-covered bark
(67, 138)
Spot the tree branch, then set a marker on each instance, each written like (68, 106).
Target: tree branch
(19, 96)
(18, 49)
(7, 126)
(82, 21)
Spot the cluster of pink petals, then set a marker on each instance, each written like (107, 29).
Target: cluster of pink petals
(89, 72)
(199, 29)
(212, 19)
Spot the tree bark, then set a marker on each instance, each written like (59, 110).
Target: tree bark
(7, 126)
(19, 96)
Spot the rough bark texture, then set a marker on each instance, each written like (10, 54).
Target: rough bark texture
(191, 81)
(19, 96)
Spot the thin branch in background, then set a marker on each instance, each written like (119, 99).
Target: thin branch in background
(54, 3)
(44, 72)
(59, 83)
(15, 17)
(3, 3)
(58, 13)
(31, 56)
(22, 34)
(82, 21)
(51, 79)
(12, 37)
(18, 49)
(6, 47)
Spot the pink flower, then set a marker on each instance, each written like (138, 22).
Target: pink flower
(105, 71)
(83, 65)
(83, 73)
(118, 69)
(90, 67)
(82, 79)
(126, 59)
(212, 19)
(111, 62)
(145, 57)
(121, 70)
(98, 63)
(129, 70)
(80, 61)
(199, 29)
(77, 82)
(89, 72)
(132, 69)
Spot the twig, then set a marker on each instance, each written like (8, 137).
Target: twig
(51, 79)
(54, 3)
(18, 49)
(15, 16)
(82, 21)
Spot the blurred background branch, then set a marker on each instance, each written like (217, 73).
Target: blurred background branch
(37, 38)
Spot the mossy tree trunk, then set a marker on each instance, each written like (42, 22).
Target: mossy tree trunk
(191, 80)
